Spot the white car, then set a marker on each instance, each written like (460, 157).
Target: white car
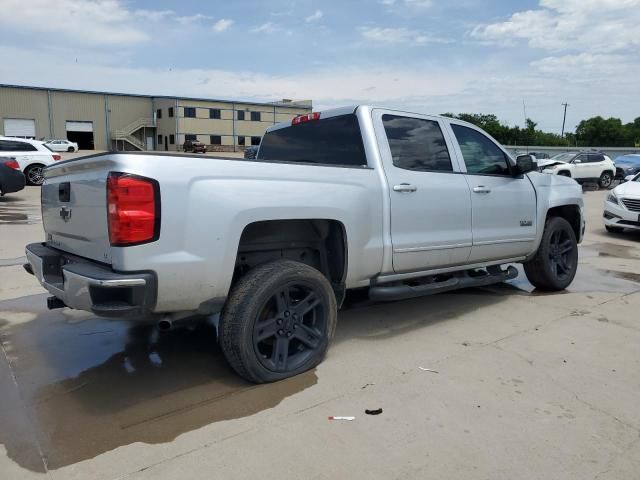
(581, 166)
(622, 206)
(62, 145)
(32, 156)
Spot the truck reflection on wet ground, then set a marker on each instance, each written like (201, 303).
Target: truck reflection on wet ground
(87, 386)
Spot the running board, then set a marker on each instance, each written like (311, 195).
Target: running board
(429, 285)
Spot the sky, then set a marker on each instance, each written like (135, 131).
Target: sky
(427, 56)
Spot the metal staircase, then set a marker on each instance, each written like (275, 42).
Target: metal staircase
(126, 134)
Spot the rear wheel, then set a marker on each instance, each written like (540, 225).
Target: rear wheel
(277, 321)
(34, 174)
(605, 179)
(556, 261)
(613, 229)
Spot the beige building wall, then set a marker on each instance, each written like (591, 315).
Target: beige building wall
(26, 104)
(82, 107)
(166, 126)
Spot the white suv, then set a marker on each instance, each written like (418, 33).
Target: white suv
(581, 166)
(32, 156)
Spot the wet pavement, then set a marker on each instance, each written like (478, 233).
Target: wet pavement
(529, 385)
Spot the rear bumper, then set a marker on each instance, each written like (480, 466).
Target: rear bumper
(87, 285)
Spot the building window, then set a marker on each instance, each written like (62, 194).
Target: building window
(255, 141)
(240, 140)
(214, 113)
(172, 139)
(171, 112)
(159, 113)
(215, 139)
(240, 114)
(255, 116)
(159, 139)
(190, 112)
(190, 136)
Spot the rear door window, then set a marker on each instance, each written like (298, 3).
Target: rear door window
(480, 154)
(331, 141)
(416, 144)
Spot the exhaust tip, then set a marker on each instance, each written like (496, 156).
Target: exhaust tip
(165, 325)
(28, 268)
(54, 302)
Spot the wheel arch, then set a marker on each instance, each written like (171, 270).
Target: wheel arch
(317, 242)
(571, 213)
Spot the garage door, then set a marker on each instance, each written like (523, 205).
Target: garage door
(81, 133)
(79, 126)
(19, 127)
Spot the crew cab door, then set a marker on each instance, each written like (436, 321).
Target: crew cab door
(503, 206)
(430, 204)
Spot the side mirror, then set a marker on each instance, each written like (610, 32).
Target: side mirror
(577, 161)
(525, 164)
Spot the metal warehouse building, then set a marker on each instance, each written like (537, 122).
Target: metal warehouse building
(116, 121)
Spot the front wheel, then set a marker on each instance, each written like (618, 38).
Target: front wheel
(556, 261)
(70, 149)
(605, 180)
(34, 174)
(277, 321)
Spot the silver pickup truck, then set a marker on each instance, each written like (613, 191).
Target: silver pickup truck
(398, 203)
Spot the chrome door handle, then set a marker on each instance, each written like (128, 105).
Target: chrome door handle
(481, 189)
(404, 187)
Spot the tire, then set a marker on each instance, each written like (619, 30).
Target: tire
(565, 173)
(556, 261)
(70, 149)
(34, 174)
(613, 229)
(264, 331)
(605, 179)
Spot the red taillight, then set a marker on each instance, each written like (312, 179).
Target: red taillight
(305, 118)
(133, 208)
(12, 164)
(57, 157)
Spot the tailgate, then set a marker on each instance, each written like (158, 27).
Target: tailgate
(74, 208)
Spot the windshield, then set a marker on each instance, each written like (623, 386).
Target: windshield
(633, 159)
(563, 157)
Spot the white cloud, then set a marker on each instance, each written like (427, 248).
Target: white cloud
(399, 35)
(154, 15)
(268, 27)
(87, 22)
(222, 25)
(569, 25)
(408, 3)
(191, 19)
(583, 64)
(317, 15)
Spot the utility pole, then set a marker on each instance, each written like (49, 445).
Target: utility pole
(564, 118)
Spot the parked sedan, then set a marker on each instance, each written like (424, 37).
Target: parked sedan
(62, 145)
(627, 165)
(622, 206)
(11, 178)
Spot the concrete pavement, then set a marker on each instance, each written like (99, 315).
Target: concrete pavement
(528, 385)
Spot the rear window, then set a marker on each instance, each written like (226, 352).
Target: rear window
(332, 141)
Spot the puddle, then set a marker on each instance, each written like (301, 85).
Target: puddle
(87, 387)
(610, 250)
(23, 214)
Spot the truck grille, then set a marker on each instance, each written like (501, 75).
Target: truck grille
(632, 204)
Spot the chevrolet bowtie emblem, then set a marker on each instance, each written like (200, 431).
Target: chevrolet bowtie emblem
(65, 213)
